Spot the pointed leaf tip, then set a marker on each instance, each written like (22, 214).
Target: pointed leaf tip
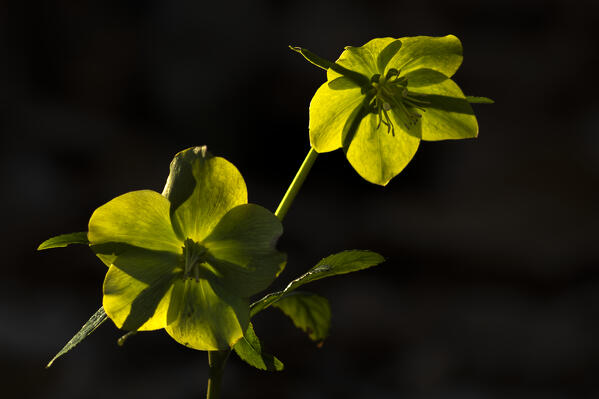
(309, 312)
(94, 322)
(64, 240)
(479, 100)
(249, 349)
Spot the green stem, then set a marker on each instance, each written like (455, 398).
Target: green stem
(296, 184)
(216, 361)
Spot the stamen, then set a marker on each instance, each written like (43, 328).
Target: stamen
(390, 127)
(392, 72)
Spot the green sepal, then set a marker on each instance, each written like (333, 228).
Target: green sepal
(377, 154)
(357, 78)
(180, 182)
(442, 54)
(309, 312)
(63, 240)
(204, 315)
(479, 100)
(249, 349)
(340, 263)
(137, 288)
(326, 123)
(218, 187)
(242, 249)
(137, 218)
(89, 327)
(448, 115)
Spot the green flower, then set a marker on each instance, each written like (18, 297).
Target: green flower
(381, 99)
(189, 259)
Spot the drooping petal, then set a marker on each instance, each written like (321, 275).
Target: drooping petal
(377, 154)
(139, 218)
(137, 288)
(242, 248)
(442, 54)
(329, 110)
(218, 187)
(448, 115)
(205, 316)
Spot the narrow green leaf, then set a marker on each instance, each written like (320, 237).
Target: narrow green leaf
(357, 78)
(249, 349)
(340, 263)
(309, 312)
(63, 240)
(479, 100)
(94, 322)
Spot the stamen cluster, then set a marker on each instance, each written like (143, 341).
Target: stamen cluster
(194, 255)
(392, 94)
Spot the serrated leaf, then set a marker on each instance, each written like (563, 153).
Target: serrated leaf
(249, 349)
(479, 100)
(309, 312)
(63, 240)
(94, 322)
(340, 263)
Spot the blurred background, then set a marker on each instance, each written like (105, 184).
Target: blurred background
(491, 287)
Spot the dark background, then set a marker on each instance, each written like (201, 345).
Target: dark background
(491, 288)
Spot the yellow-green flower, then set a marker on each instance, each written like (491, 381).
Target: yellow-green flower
(189, 259)
(381, 99)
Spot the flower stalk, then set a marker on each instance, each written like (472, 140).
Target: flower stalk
(218, 359)
(296, 184)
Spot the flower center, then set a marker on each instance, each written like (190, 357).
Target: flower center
(195, 257)
(392, 95)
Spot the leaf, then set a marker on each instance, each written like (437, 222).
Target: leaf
(63, 240)
(249, 349)
(479, 100)
(340, 263)
(309, 312)
(94, 322)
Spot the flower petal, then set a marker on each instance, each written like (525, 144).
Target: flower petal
(449, 116)
(329, 110)
(218, 187)
(362, 59)
(205, 316)
(137, 288)
(442, 54)
(243, 251)
(138, 218)
(376, 154)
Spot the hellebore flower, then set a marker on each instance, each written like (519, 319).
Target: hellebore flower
(381, 99)
(187, 260)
